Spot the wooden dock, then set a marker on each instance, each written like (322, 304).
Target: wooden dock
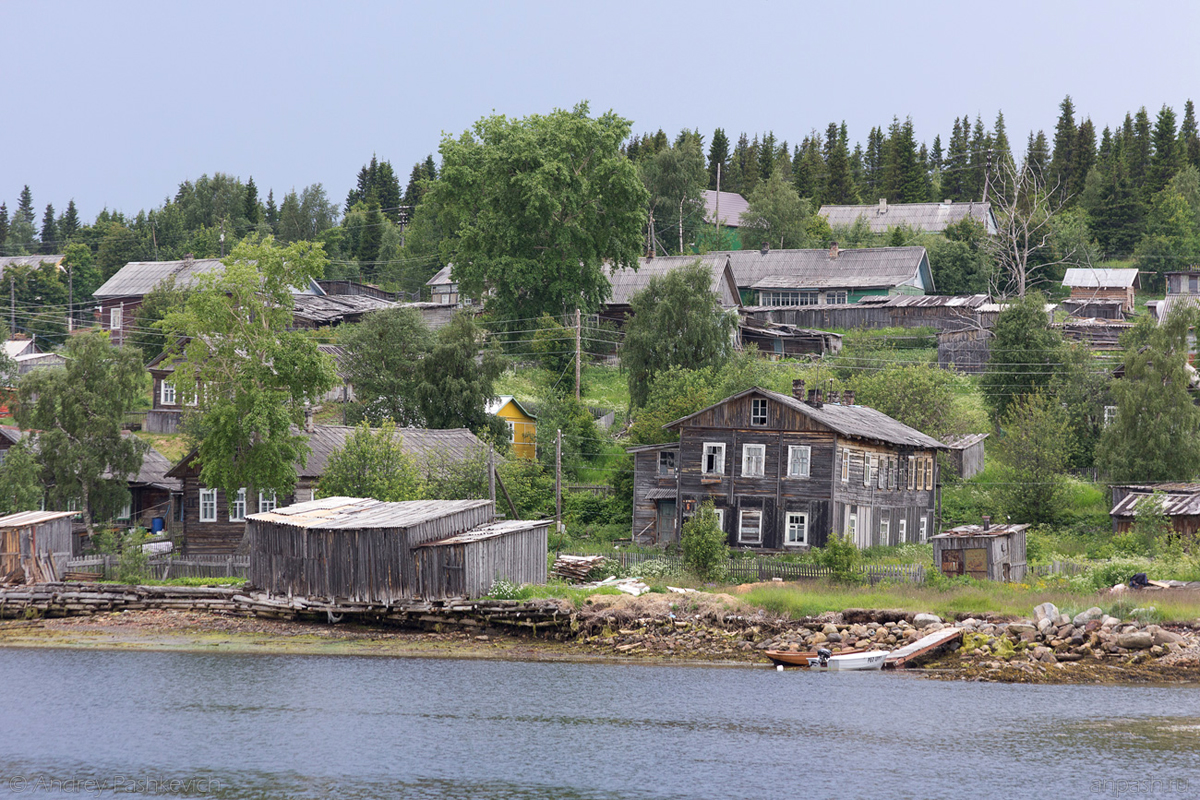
(899, 659)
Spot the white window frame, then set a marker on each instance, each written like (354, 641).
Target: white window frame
(166, 393)
(912, 473)
(114, 318)
(880, 471)
(902, 528)
(845, 464)
(852, 523)
(718, 449)
(208, 499)
(720, 512)
(126, 511)
(1110, 414)
(924, 531)
(238, 503)
(267, 501)
(755, 404)
(793, 451)
(885, 526)
(752, 453)
(869, 462)
(512, 430)
(893, 473)
(796, 519)
(742, 539)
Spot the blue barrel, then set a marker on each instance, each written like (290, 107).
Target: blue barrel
(156, 525)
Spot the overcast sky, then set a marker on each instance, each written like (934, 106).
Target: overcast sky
(115, 103)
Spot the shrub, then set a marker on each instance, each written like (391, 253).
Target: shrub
(841, 556)
(704, 549)
(503, 589)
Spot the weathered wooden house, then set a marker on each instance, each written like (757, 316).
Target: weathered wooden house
(983, 552)
(152, 494)
(943, 312)
(521, 423)
(35, 546)
(924, 217)
(775, 340)
(627, 282)
(367, 551)
(27, 356)
(964, 454)
(724, 210)
(122, 294)
(1180, 504)
(443, 289)
(785, 473)
(325, 311)
(1092, 284)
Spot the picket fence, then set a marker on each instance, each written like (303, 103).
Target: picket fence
(764, 568)
(161, 568)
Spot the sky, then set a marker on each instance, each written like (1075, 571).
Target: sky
(114, 104)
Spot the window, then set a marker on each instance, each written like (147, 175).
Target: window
(912, 472)
(208, 505)
(868, 465)
(881, 469)
(924, 531)
(1110, 414)
(167, 393)
(885, 528)
(851, 522)
(810, 298)
(892, 468)
(758, 411)
(714, 458)
(754, 460)
(267, 502)
(835, 298)
(929, 473)
(114, 318)
(126, 511)
(3, 454)
(720, 512)
(666, 462)
(750, 526)
(512, 430)
(797, 530)
(902, 529)
(237, 506)
(799, 459)
(845, 465)
(920, 467)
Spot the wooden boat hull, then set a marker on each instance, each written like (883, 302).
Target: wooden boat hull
(787, 658)
(854, 661)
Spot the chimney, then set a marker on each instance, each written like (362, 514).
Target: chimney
(309, 426)
(766, 248)
(833, 250)
(188, 257)
(834, 397)
(848, 397)
(814, 398)
(987, 523)
(798, 388)
(882, 206)
(948, 201)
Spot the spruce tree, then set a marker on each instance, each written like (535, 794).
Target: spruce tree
(24, 207)
(49, 230)
(904, 179)
(1003, 166)
(68, 225)
(1189, 139)
(935, 153)
(749, 165)
(272, 213)
(1084, 157)
(839, 182)
(1165, 161)
(808, 176)
(1037, 153)
(766, 156)
(253, 210)
(718, 155)
(1138, 154)
(3, 227)
(1065, 135)
(873, 165)
(954, 171)
(976, 172)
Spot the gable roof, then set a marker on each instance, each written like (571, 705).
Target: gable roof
(858, 422)
(28, 261)
(153, 472)
(1174, 504)
(331, 309)
(442, 276)
(868, 267)
(494, 406)
(1100, 278)
(929, 217)
(351, 513)
(733, 205)
(138, 278)
(626, 282)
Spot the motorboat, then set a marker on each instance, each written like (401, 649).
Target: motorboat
(827, 661)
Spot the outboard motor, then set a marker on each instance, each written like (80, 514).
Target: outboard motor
(823, 656)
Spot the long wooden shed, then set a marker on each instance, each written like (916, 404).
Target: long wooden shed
(364, 550)
(35, 546)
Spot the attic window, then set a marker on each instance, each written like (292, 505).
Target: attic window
(758, 411)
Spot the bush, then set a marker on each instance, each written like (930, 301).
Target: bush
(704, 549)
(655, 568)
(841, 556)
(504, 590)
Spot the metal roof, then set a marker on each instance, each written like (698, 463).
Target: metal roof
(733, 205)
(977, 531)
(329, 309)
(1173, 505)
(494, 406)
(626, 282)
(925, 300)
(355, 513)
(930, 217)
(1165, 307)
(817, 269)
(963, 442)
(859, 422)
(138, 278)
(442, 277)
(491, 531)
(25, 518)
(1100, 278)
(27, 261)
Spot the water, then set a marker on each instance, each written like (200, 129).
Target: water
(353, 727)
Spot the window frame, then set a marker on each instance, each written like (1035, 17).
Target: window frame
(673, 470)
(761, 459)
(209, 497)
(720, 512)
(1110, 415)
(719, 450)
(789, 525)
(851, 526)
(885, 526)
(902, 529)
(793, 449)
(742, 525)
(116, 318)
(845, 464)
(929, 473)
(912, 473)
(757, 404)
(270, 505)
(238, 501)
(867, 460)
(893, 473)
(126, 511)
(166, 393)
(512, 430)
(923, 532)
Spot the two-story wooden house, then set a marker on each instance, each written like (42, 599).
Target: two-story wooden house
(784, 473)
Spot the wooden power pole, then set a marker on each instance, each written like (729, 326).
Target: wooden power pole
(578, 351)
(558, 481)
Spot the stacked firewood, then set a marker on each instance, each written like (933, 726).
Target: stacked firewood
(576, 568)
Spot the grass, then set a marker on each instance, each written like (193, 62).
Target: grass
(603, 386)
(173, 446)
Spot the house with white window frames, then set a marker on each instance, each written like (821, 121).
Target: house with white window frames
(786, 472)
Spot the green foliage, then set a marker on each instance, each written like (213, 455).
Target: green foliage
(251, 372)
(704, 544)
(1034, 453)
(581, 439)
(921, 397)
(841, 556)
(78, 411)
(372, 464)
(674, 393)
(778, 217)
(1025, 352)
(675, 178)
(132, 560)
(383, 363)
(1083, 390)
(554, 345)
(1151, 525)
(537, 207)
(163, 299)
(457, 376)
(958, 259)
(585, 508)
(677, 321)
(529, 486)
(20, 483)
(503, 589)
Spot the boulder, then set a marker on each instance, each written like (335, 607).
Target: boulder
(1084, 617)
(1021, 627)
(829, 628)
(1161, 637)
(1108, 622)
(1044, 624)
(1046, 611)
(1136, 640)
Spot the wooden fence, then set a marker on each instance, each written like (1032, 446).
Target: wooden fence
(1058, 568)
(161, 568)
(765, 568)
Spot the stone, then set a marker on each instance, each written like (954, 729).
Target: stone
(1108, 622)
(1044, 624)
(1136, 640)
(1161, 637)
(1039, 652)
(829, 628)
(1046, 611)
(923, 620)
(1084, 617)
(1157, 650)
(1021, 627)
(833, 637)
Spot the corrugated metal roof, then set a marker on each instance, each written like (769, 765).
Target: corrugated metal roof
(930, 217)
(328, 309)
(976, 531)
(733, 205)
(659, 493)
(12, 433)
(491, 531)
(342, 513)
(1173, 505)
(18, 347)
(138, 278)
(925, 300)
(626, 282)
(963, 442)
(27, 261)
(1165, 307)
(859, 422)
(24, 518)
(1100, 278)
(801, 269)
(442, 277)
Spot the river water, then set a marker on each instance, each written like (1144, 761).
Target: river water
(102, 723)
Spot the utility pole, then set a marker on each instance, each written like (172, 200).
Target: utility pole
(222, 238)
(558, 482)
(578, 350)
(70, 299)
(492, 476)
(987, 172)
(681, 226)
(718, 205)
(12, 304)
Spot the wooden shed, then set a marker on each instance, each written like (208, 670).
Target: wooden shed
(363, 550)
(965, 454)
(1180, 504)
(984, 552)
(35, 546)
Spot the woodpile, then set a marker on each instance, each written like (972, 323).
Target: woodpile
(576, 568)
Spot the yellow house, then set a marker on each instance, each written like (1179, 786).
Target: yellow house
(522, 425)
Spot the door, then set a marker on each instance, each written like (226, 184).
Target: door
(952, 562)
(666, 521)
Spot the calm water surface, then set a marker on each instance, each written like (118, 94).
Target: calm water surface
(93, 723)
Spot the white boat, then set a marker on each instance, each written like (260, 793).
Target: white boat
(869, 660)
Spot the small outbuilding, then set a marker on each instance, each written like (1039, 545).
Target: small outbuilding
(984, 552)
(1180, 503)
(35, 546)
(368, 551)
(965, 454)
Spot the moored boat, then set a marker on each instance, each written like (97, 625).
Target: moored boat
(853, 661)
(789, 658)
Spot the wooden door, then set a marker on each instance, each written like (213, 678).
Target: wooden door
(666, 521)
(952, 562)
